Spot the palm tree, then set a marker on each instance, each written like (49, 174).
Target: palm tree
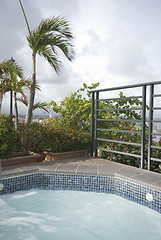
(11, 72)
(51, 34)
(39, 105)
(4, 79)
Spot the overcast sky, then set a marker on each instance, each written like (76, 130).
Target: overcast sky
(117, 42)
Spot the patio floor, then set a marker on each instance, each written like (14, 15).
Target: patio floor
(89, 165)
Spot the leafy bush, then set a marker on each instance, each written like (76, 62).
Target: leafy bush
(61, 140)
(8, 137)
(31, 137)
(72, 130)
(75, 111)
(36, 137)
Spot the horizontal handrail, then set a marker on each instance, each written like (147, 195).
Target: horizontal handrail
(125, 87)
(156, 159)
(119, 131)
(156, 95)
(118, 109)
(121, 98)
(156, 147)
(156, 108)
(118, 152)
(115, 141)
(118, 120)
(156, 121)
(157, 134)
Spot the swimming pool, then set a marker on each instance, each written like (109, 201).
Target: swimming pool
(132, 191)
(143, 195)
(43, 214)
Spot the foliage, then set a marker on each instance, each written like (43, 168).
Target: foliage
(63, 140)
(71, 130)
(36, 137)
(75, 111)
(30, 138)
(8, 137)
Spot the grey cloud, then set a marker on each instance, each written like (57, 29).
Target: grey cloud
(94, 46)
(53, 78)
(125, 55)
(13, 27)
(47, 75)
(123, 35)
(128, 58)
(63, 8)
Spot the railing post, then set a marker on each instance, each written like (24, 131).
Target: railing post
(150, 125)
(143, 126)
(96, 124)
(92, 123)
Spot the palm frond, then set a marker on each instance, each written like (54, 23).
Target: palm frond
(42, 106)
(12, 77)
(39, 105)
(54, 24)
(7, 67)
(52, 33)
(52, 58)
(5, 87)
(23, 99)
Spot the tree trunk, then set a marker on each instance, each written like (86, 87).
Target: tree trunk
(16, 111)
(32, 91)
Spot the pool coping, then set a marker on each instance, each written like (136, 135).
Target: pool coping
(89, 166)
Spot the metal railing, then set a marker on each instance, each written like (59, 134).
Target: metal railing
(146, 111)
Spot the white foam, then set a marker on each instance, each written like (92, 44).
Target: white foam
(31, 238)
(2, 202)
(49, 229)
(23, 195)
(24, 221)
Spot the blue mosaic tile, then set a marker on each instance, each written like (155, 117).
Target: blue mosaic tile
(101, 184)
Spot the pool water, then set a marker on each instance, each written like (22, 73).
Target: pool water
(72, 215)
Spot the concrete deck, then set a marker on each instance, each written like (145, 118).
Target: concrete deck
(93, 166)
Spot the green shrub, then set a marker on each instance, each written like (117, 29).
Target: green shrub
(59, 139)
(75, 111)
(36, 137)
(8, 137)
(31, 137)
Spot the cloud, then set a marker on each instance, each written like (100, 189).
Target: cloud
(63, 8)
(126, 55)
(116, 42)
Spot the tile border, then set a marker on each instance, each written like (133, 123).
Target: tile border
(84, 182)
